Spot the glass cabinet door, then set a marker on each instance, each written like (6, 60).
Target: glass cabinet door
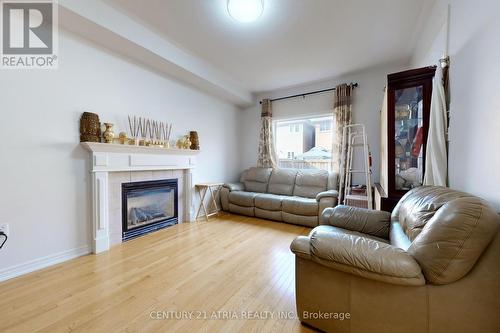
(408, 137)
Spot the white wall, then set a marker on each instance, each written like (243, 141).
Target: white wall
(44, 180)
(474, 158)
(367, 101)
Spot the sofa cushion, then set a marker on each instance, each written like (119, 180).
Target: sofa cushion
(256, 179)
(306, 221)
(268, 215)
(268, 201)
(242, 198)
(248, 211)
(282, 181)
(309, 183)
(300, 206)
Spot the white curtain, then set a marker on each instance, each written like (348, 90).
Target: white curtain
(436, 161)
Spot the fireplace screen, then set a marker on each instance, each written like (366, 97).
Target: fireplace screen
(148, 206)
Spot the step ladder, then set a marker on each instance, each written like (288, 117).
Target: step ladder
(353, 139)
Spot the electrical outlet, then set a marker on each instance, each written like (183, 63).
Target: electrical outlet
(5, 228)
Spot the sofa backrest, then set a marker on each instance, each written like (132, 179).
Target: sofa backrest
(282, 181)
(287, 181)
(256, 179)
(449, 230)
(419, 205)
(309, 182)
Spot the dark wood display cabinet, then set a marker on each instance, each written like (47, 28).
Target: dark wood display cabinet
(404, 128)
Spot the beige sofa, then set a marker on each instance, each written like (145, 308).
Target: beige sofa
(288, 195)
(433, 266)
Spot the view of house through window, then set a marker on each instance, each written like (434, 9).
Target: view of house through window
(304, 143)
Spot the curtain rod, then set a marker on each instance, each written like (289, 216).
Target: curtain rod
(353, 85)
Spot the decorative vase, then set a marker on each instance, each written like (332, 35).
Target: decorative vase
(109, 135)
(90, 128)
(195, 143)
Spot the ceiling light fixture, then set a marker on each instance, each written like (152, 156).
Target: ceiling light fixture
(245, 10)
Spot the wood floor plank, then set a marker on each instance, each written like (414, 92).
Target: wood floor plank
(223, 270)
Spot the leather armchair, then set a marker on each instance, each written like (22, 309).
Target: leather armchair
(430, 266)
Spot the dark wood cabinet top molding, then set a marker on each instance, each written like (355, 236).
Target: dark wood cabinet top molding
(424, 73)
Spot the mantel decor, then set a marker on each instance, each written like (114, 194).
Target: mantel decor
(131, 149)
(147, 132)
(90, 127)
(195, 141)
(108, 134)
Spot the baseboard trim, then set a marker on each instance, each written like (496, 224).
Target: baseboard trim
(43, 262)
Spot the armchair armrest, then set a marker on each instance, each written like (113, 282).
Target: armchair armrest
(372, 222)
(364, 257)
(327, 194)
(301, 247)
(234, 186)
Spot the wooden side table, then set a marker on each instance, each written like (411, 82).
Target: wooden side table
(213, 190)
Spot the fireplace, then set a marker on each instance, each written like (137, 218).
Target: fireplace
(148, 206)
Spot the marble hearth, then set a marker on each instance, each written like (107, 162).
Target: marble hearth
(112, 165)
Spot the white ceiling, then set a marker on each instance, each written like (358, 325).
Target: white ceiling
(294, 42)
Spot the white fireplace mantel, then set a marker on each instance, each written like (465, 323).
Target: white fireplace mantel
(106, 158)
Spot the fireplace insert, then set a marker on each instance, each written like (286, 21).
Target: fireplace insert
(148, 206)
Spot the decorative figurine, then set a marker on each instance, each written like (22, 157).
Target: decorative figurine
(179, 144)
(123, 138)
(187, 142)
(183, 142)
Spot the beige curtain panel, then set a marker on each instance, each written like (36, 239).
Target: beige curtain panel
(342, 116)
(267, 153)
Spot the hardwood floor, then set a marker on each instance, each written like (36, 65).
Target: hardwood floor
(231, 266)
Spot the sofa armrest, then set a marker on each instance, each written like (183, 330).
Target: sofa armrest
(234, 186)
(367, 221)
(364, 257)
(327, 194)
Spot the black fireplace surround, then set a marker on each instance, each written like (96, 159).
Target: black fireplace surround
(148, 206)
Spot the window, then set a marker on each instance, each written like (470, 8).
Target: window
(325, 126)
(304, 143)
